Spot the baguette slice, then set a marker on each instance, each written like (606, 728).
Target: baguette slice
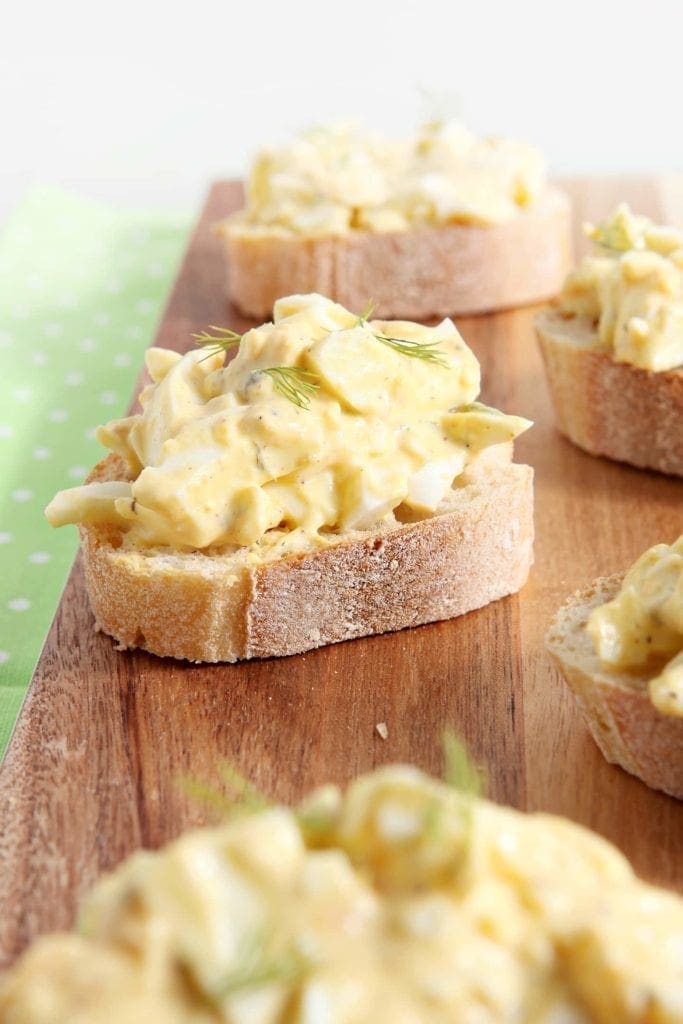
(418, 274)
(222, 607)
(625, 724)
(609, 408)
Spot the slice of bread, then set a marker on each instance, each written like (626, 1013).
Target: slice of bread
(625, 724)
(609, 408)
(418, 274)
(225, 606)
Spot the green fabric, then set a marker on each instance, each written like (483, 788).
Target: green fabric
(82, 287)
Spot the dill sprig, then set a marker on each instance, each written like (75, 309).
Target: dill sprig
(244, 797)
(245, 792)
(365, 315)
(459, 770)
(607, 245)
(612, 237)
(256, 968)
(221, 341)
(313, 824)
(293, 383)
(255, 965)
(204, 793)
(427, 351)
(241, 796)
(461, 774)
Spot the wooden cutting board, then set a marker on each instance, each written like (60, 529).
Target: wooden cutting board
(92, 769)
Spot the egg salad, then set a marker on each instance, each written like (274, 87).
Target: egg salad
(403, 901)
(631, 287)
(642, 628)
(338, 179)
(325, 422)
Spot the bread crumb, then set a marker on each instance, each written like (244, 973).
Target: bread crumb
(381, 728)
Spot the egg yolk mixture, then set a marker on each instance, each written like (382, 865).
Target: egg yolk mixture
(324, 422)
(642, 628)
(334, 180)
(631, 288)
(402, 901)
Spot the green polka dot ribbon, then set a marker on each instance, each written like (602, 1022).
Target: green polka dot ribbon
(82, 287)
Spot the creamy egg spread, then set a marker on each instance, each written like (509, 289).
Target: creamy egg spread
(402, 901)
(324, 422)
(642, 628)
(631, 287)
(331, 181)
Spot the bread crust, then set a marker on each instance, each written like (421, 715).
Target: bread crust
(214, 607)
(609, 408)
(626, 726)
(418, 274)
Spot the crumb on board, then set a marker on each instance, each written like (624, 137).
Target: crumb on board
(381, 728)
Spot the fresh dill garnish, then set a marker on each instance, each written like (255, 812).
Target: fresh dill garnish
(606, 245)
(245, 792)
(256, 967)
(204, 793)
(221, 341)
(427, 351)
(615, 235)
(366, 314)
(459, 770)
(241, 795)
(462, 775)
(293, 383)
(432, 819)
(313, 824)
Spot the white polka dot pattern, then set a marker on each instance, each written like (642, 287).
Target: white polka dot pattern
(82, 287)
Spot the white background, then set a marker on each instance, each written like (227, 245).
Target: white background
(143, 103)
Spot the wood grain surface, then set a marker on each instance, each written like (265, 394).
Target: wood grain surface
(92, 769)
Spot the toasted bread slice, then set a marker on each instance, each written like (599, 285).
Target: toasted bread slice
(625, 724)
(225, 606)
(609, 408)
(417, 274)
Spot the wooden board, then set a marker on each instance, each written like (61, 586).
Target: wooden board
(91, 772)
